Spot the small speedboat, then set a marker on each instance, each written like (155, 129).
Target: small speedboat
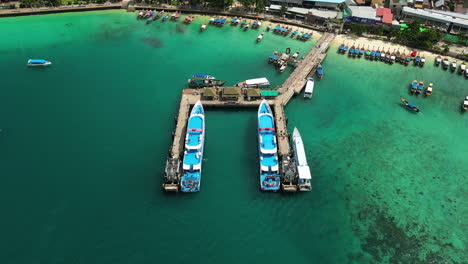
(420, 87)
(259, 38)
(429, 90)
(414, 87)
(438, 60)
(38, 62)
(203, 27)
(409, 105)
(309, 89)
(462, 68)
(453, 67)
(465, 104)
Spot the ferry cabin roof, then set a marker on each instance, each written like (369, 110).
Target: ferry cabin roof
(304, 172)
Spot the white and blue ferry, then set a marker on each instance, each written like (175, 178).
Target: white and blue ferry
(267, 149)
(193, 154)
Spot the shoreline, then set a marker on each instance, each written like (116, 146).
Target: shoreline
(55, 10)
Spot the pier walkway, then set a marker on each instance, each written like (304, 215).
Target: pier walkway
(293, 85)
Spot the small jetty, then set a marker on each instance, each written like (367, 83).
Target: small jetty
(237, 97)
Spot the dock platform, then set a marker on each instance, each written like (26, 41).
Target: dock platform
(293, 85)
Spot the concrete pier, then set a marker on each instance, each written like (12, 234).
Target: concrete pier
(237, 97)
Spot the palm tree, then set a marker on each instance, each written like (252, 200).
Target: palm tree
(283, 10)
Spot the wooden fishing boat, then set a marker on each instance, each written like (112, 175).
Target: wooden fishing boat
(409, 105)
(445, 63)
(462, 68)
(164, 18)
(175, 16)
(453, 67)
(420, 87)
(437, 60)
(188, 19)
(423, 60)
(259, 38)
(429, 89)
(196, 83)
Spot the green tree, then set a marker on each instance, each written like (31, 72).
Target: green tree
(247, 3)
(260, 6)
(283, 10)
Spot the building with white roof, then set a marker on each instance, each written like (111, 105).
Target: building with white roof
(452, 22)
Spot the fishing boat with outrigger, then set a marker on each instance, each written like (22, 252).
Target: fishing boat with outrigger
(429, 89)
(409, 105)
(420, 87)
(414, 87)
(203, 27)
(38, 62)
(320, 72)
(309, 89)
(260, 37)
(193, 153)
(261, 83)
(465, 104)
(303, 170)
(437, 60)
(267, 149)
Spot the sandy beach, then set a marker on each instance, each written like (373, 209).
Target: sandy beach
(377, 44)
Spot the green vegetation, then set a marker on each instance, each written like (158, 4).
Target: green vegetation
(283, 10)
(414, 36)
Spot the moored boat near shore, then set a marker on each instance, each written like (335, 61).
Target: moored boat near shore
(414, 87)
(437, 60)
(309, 89)
(453, 66)
(445, 63)
(303, 170)
(320, 72)
(175, 16)
(462, 68)
(267, 149)
(255, 83)
(38, 62)
(198, 83)
(465, 104)
(193, 153)
(203, 27)
(260, 37)
(429, 89)
(420, 87)
(409, 105)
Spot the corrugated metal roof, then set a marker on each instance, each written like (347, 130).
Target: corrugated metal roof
(323, 13)
(433, 16)
(327, 1)
(363, 12)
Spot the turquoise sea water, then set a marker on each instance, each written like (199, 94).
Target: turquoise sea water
(83, 145)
